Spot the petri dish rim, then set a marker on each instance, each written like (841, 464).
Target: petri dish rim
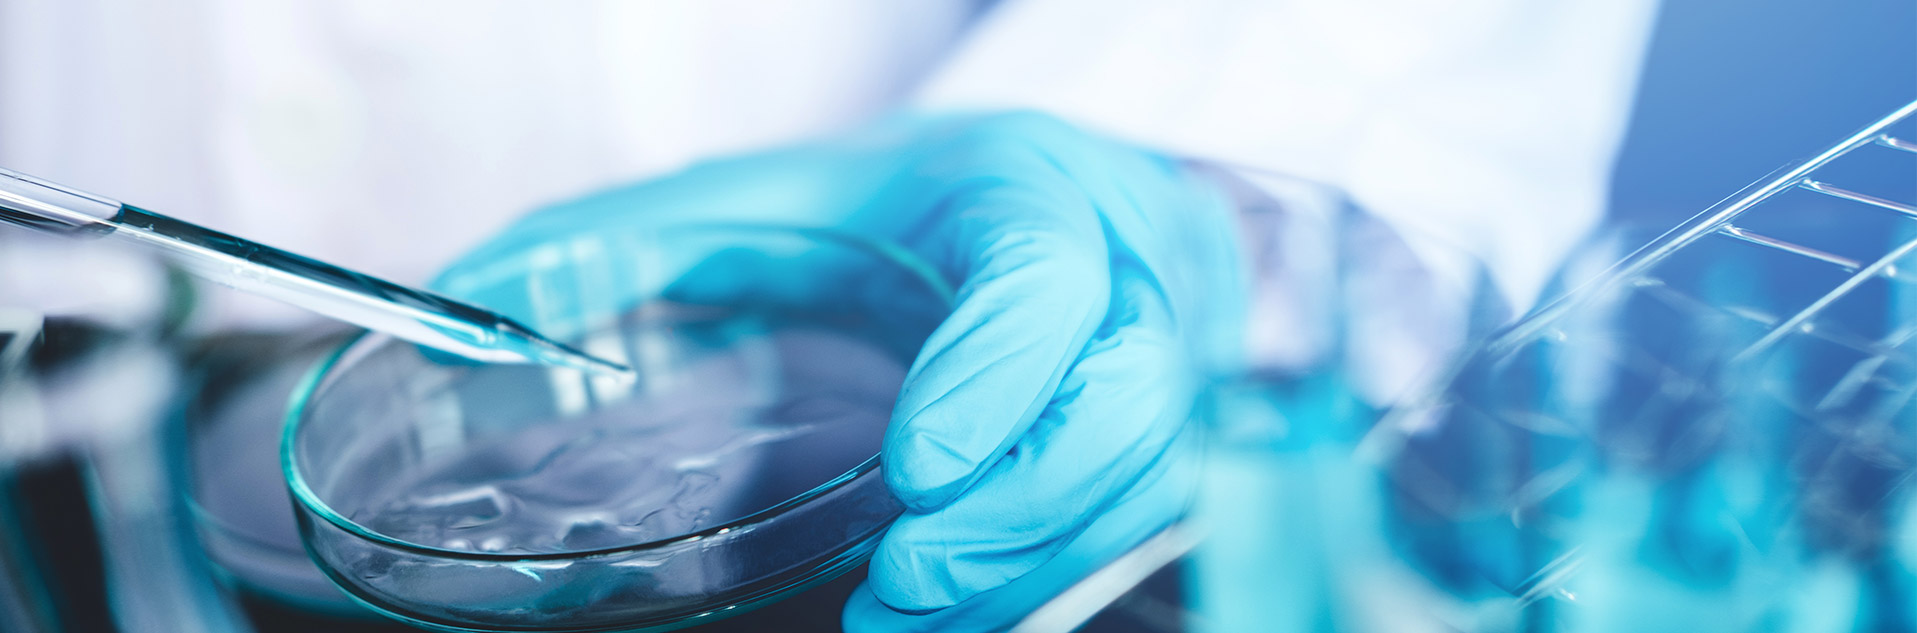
(832, 568)
(316, 376)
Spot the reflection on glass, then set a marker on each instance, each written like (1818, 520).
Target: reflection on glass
(739, 464)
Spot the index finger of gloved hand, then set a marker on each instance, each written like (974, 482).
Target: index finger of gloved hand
(815, 184)
(1036, 283)
(1115, 414)
(818, 185)
(1156, 501)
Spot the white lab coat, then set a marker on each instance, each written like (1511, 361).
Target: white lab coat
(391, 136)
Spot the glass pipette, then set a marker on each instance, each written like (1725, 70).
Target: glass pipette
(408, 313)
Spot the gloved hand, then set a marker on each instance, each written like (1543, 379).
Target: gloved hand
(1042, 429)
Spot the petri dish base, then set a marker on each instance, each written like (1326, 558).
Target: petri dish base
(738, 467)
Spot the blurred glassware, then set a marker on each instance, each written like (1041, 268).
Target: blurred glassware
(238, 386)
(1711, 437)
(91, 534)
(1714, 435)
(738, 468)
(1346, 315)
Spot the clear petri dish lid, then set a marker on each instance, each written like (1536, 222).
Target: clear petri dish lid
(738, 465)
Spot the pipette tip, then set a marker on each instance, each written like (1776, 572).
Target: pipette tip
(554, 353)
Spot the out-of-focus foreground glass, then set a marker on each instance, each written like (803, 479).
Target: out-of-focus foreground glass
(741, 466)
(1717, 434)
(236, 388)
(92, 533)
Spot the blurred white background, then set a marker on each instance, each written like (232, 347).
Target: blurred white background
(392, 136)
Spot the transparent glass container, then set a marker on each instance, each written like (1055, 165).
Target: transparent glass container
(738, 467)
(1715, 434)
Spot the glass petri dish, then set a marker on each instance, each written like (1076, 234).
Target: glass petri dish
(739, 466)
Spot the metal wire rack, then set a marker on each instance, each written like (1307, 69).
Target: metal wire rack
(1768, 344)
(1885, 140)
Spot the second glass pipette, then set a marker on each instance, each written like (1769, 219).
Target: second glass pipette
(408, 313)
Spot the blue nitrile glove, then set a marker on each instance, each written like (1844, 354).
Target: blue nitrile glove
(1041, 430)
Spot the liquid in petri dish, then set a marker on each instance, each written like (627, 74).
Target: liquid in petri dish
(739, 429)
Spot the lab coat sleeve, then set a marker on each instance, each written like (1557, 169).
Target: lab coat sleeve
(1482, 130)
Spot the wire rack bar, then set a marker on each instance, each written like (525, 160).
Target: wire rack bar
(1865, 198)
(1849, 265)
(1893, 142)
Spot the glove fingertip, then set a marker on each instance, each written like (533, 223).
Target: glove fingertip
(924, 473)
(915, 597)
(864, 613)
(905, 578)
(923, 566)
